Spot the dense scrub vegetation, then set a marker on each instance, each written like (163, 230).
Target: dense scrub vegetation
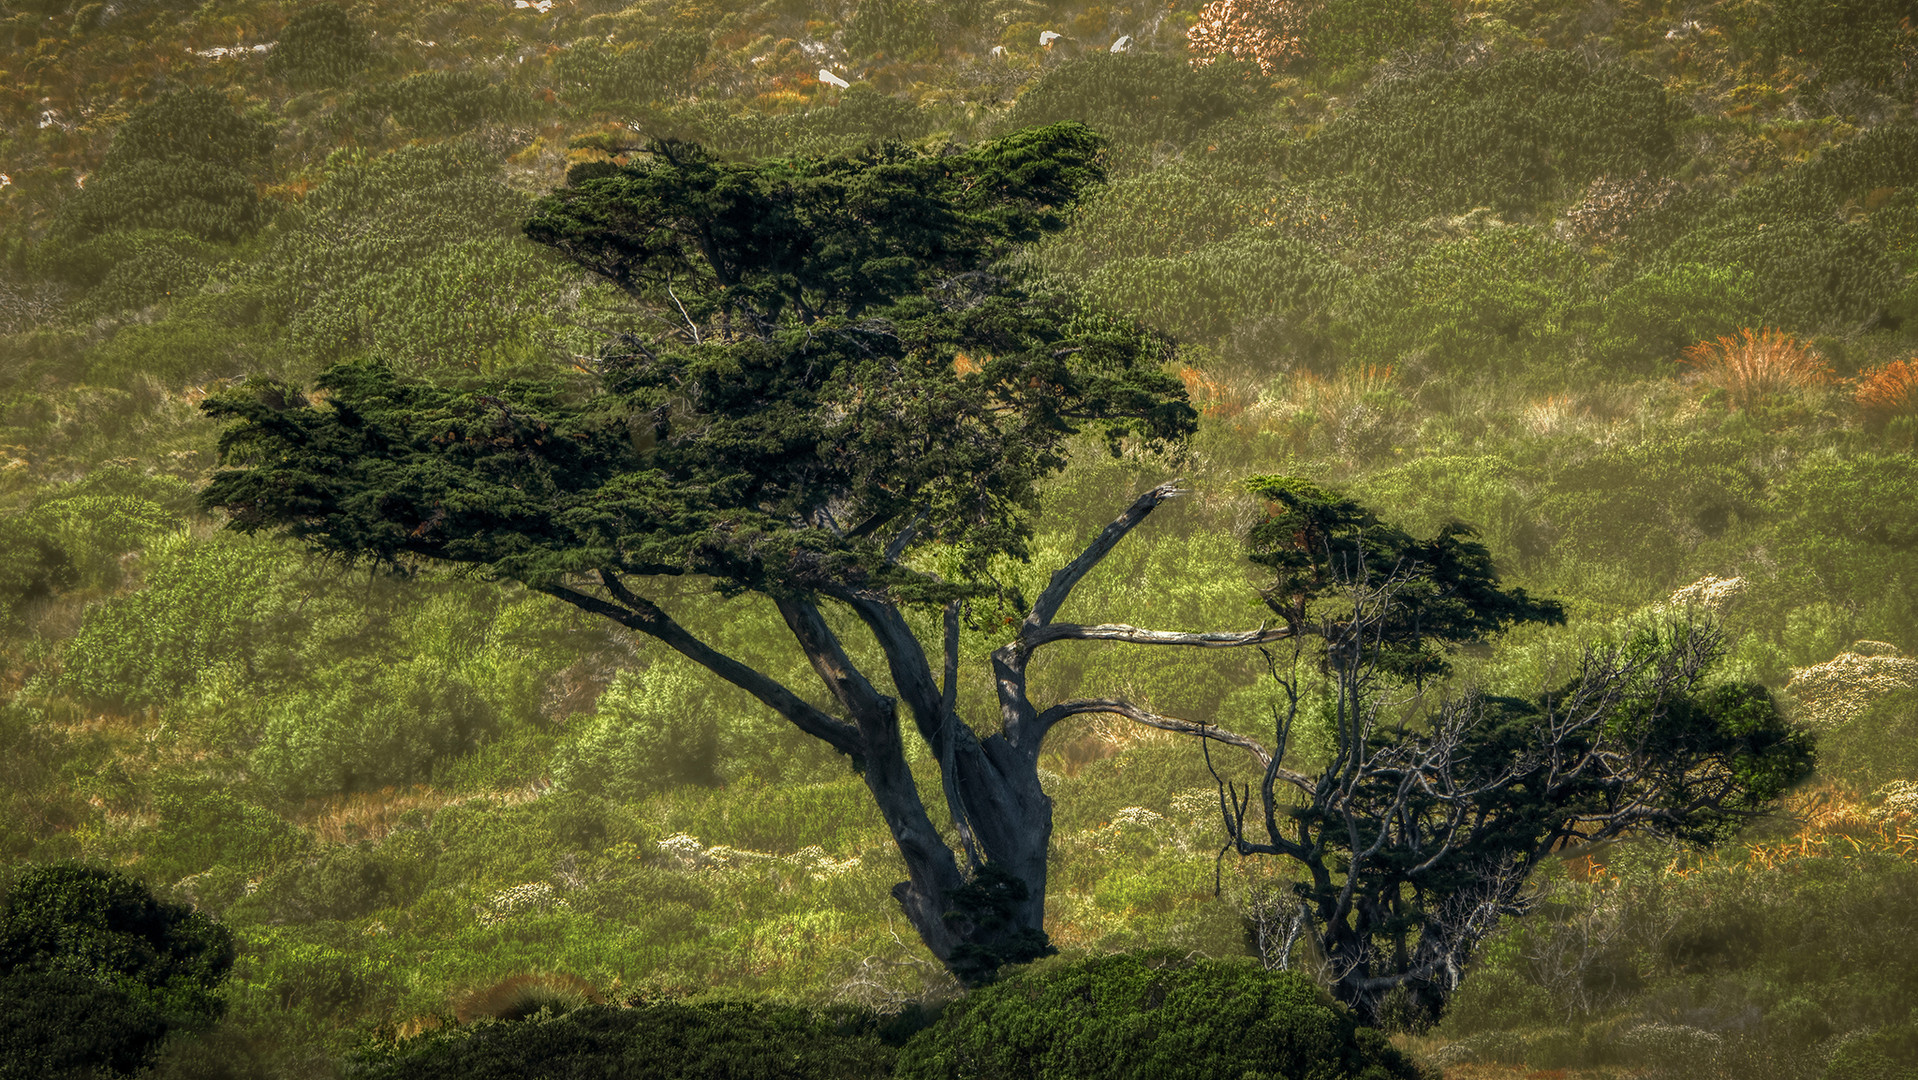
(1629, 287)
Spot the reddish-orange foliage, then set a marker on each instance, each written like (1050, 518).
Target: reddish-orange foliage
(1209, 395)
(1889, 390)
(1757, 364)
(1269, 33)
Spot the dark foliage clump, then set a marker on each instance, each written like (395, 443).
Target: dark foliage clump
(94, 972)
(1134, 1017)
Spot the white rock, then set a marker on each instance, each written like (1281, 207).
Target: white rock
(830, 79)
(1047, 37)
(1124, 44)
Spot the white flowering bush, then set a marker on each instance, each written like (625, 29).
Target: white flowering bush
(1841, 689)
(532, 897)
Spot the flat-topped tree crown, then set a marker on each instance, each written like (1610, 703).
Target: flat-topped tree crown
(1317, 543)
(842, 368)
(842, 374)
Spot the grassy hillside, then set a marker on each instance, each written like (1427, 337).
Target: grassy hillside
(1630, 286)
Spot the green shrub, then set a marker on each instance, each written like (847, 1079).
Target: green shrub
(182, 162)
(193, 125)
(103, 927)
(1809, 270)
(1646, 323)
(1158, 1017)
(443, 102)
(601, 75)
(369, 724)
(1204, 295)
(201, 826)
(59, 1025)
(319, 46)
(899, 29)
(76, 535)
(201, 606)
(1489, 302)
(649, 1041)
(1510, 135)
(1135, 97)
(668, 724)
(1347, 34)
(341, 882)
(1890, 1053)
(1865, 43)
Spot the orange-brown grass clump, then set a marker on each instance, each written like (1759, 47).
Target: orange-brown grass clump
(1888, 391)
(1756, 365)
(1214, 396)
(521, 996)
(1269, 33)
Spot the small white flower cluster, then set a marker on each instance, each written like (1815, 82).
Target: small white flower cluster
(1715, 594)
(812, 860)
(1137, 817)
(533, 896)
(1896, 800)
(222, 53)
(1837, 691)
(1199, 804)
(1661, 1041)
(683, 847)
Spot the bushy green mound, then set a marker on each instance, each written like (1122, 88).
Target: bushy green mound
(94, 972)
(1151, 1018)
(651, 1041)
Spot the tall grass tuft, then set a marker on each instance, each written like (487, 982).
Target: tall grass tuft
(525, 995)
(1888, 391)
(1757, 364)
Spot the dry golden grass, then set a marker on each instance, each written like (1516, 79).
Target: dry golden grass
(520, 996)
(1757, 364)
(1217, 396)
(369, 815)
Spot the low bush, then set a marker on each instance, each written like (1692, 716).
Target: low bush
(94, 972)
(319, 46)
(1140, 1017)
(663, 1040)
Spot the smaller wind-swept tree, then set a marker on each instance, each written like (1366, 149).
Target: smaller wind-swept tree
(1428, 817)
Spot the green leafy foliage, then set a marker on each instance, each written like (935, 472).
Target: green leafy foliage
(66, 1026)
(95, 971)
(1344, 34)
(443, 102)
(600, 75)
(668, 725)
(1136, 98)
(1507, 135)
(899, 29)
(321, 45)
(663, 1040)
(793, 260)
(181, 162)
(1132, 1016)
(1316, 543)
